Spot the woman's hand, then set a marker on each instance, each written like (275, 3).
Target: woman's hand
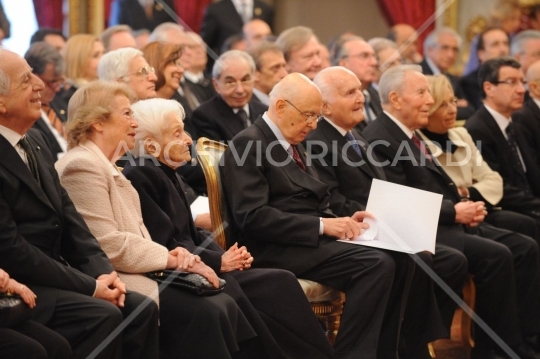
(26, 294)
(4, 280)
(184, 259)
(235, 259)
(205, 271)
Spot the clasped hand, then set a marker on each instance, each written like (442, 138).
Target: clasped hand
(346, 227)
(470, 213)
(236, 259)
(111, 288)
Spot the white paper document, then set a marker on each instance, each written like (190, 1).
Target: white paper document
(200, 206)
(406, 218)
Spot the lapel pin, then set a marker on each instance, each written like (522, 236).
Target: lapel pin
(257, 11)
(38, 148)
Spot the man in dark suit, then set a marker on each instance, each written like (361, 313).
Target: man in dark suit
(349, 173)
(46, 244)
(441, 48)
(280, 212)
(225, 18)
(301, 50)
(502, 141)
(137, 16)
(529, 115)
(494, 255)
(48, 65)
(358, 56)
(233, 109)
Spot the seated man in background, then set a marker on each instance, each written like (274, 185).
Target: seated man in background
(255, 31)
(117, 37)
(301, 49)
(269, 69)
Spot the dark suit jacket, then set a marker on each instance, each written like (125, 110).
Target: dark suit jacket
(529, 118)
(276, 208)
(471, 89)
(203, 90)
(463, 112)
(130, 12)
(349, 185)
(221, 20)
(408, 171)
(40, 229)
(496, 152)
(217, 121)
(374, 104)
(51, 140)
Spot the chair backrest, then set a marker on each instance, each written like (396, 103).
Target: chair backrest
(209, 154)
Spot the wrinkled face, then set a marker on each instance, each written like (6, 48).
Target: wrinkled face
(298, 117)
(346, 103)
(57, 41)
(444, 117)
(173, 72)
(92, 65)
(143, 85)
(22, 103)
(306, 60)
(272, 71)
(175, 142)
(495, 45)
(52, 83)
(121, 40)
(506, 96)
(120, 128)
(361, 60)
(445, 52)
(530, 54)
(414, 101)
(235, 84)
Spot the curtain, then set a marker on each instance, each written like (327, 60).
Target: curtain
(411, 12)
(191, 12)
(49, 13)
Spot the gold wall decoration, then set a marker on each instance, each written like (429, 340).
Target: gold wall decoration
(86, 17)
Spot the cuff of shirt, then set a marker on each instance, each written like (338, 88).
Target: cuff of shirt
(321, 227)
(95, 290)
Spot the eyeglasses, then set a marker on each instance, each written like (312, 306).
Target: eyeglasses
(310, 117)
(231, 84)
(144, 71)
(54, 83)
(511, 82)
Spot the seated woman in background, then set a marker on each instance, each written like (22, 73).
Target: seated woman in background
(100, 129)
(29, 339)
(82, 54)
(272, 299)
(457, 154)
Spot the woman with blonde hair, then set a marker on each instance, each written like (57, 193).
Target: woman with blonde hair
(81, 54)
(100, 129)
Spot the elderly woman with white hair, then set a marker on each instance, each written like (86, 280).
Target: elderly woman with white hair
(271, 299)
(100, 129)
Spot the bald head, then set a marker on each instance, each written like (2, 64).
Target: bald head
(255, 31)
(533, 79)
(406, 39)
(295, 105)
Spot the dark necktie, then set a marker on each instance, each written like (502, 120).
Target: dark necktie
(243, 116)
(30, 157)
(297, 159)
(518, 165)
(367, 106)
(421, 146)
(354, 143)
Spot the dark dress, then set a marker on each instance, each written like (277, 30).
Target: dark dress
(271, 299)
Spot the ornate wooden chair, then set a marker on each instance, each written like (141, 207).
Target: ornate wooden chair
(327, 303)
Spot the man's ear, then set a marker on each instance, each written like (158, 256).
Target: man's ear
(215, 83)
(280, 107)
(394, 100)
(326, 109)
(256, 76)
(488, 87)
(3, 104)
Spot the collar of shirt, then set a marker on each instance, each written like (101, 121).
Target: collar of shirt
(404, 128)
(432, 66)
(502, 121)
(375, 86)
(10, 135)
(537, 102)
(195, 78)
(277, 132)
(239, 6)
(264, 98)
(89, 145)
(340, 129)
(246, 108)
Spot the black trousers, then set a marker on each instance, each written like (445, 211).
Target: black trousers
(515, 222)
(86, 323)
(31, 340)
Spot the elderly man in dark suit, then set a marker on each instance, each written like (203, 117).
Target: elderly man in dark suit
(502, 141)
(349, 173)
(504, 264)
(280, 212)
(46, 244)
(233, 108)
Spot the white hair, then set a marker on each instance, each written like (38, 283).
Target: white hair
(518, 42)
(115, 64)
(393, 79)
(162, 31)
(232, 55)
(151, 114)
(325, 83)
(433, 38)
(5, 80)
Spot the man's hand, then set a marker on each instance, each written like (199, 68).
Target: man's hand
(235, 258)
(204, 221)
(111, 289)
(470, 213)
(343, 228)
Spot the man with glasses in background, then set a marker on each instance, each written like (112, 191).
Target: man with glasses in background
(47, 64)
(233, 108)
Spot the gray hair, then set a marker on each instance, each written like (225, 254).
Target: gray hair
(108, 34)
(161, 32)
(231, 55)
(380, 44)
(518, 42)
(5, 81)
(40, 54)
(150, 115)
(433, 38)
(393, 79)
(340, 51)
(262, 48)
(115, 64)
(294, 38)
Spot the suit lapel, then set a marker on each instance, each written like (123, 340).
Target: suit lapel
(230, 119)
